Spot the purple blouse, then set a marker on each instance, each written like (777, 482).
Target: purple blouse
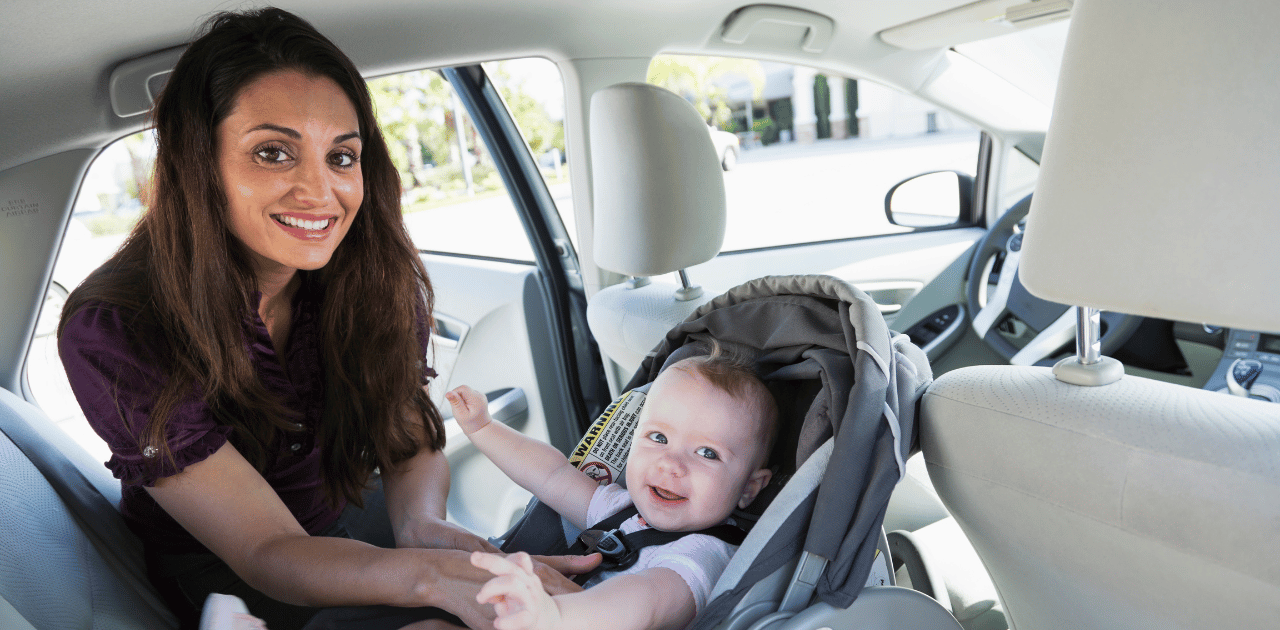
(116, 388)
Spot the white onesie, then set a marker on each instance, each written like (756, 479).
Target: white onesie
(698, 558)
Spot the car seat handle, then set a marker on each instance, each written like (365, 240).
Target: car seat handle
(803, 583)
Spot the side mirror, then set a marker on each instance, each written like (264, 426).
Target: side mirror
(930, 200)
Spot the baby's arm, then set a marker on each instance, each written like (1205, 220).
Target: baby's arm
(536, 466)
(655, 598)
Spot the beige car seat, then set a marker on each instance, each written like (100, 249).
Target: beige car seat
(659, 208)
(1102, 500)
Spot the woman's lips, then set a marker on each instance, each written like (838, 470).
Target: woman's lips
(304, 228)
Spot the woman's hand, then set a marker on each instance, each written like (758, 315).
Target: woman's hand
(457, 582)
(441, 534)
(516, 593)
(554, 571)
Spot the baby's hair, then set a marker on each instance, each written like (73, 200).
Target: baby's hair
(735, 376)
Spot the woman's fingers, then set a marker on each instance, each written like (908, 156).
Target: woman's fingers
(570, 565)
(496, 564)
(551, 570)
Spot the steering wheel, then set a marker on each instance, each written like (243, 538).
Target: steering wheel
(1052, 324)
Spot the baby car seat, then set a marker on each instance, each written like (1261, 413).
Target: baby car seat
(846, 388)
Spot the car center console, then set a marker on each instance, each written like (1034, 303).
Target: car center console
(1254, 357)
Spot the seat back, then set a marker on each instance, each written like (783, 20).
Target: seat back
(1132, 502)
(1136, 504)
(659, 207)
(68, 559)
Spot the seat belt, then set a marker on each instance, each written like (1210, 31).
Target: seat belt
(619, 551)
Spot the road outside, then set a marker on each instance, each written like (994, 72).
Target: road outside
(776, 195)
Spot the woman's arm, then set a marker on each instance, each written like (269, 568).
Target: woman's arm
(417, 491)
(536, 466)
(422, 488)
(231, 509)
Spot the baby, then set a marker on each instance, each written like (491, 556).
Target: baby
(698, 452)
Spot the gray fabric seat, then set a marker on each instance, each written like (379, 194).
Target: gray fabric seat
(69, 561)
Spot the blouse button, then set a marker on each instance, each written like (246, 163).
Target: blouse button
(149, 452)
(296, 447)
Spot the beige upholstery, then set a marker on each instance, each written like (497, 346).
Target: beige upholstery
(658, 187)
(628, 322)
(1137, 504)
(659, 207)
(1161, 161)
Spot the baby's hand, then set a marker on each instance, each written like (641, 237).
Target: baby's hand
(470, 408)
(516, 593)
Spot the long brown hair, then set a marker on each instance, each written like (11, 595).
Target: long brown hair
(189, 282)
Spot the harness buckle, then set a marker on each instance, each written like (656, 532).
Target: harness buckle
(612, 545)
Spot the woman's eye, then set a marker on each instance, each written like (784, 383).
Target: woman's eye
(272, 154)
(707, 453)
(657, 437)
(343, 159)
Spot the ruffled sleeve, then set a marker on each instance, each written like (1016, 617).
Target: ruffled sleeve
(117, 389)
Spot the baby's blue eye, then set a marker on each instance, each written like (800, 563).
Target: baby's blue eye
(707, 453)
(657, 437)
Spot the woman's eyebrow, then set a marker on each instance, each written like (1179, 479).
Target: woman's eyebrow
(297, 136)
(277, 128)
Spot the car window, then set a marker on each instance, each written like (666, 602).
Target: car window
(809, 155)
(454, 199)
(110, 201)
(1018, 178)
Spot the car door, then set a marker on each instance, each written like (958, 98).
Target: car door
(508, 295)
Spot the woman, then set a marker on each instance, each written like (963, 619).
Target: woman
(256, 349)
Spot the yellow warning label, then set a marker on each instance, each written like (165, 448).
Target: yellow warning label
(602, 452)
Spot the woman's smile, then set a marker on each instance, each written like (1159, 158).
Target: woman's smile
(305, 228)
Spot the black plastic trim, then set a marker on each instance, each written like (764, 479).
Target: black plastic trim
(579, 362)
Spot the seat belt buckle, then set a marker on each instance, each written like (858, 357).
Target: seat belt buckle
(612, 545)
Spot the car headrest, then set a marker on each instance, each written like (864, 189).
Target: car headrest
(658, 187)
(1158, 184)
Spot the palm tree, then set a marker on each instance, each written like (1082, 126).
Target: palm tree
(703, 81)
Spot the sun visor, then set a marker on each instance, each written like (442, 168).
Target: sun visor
(1158, 187)
(658, 187)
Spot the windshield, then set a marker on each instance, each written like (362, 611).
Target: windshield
(1029, 59)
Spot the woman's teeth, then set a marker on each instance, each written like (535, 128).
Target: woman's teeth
(302, 223)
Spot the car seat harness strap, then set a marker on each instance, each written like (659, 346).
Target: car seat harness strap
(619, 551)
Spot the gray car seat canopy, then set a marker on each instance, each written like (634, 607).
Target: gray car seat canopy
(822, 344)
(846, 388)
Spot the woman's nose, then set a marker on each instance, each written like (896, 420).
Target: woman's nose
(312, 186)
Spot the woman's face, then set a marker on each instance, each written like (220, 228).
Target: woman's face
(289, 155)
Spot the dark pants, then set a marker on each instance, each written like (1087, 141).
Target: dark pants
(187, 579)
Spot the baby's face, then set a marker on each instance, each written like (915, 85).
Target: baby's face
(695, 455)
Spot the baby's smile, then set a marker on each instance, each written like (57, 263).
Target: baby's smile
(666, 496)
